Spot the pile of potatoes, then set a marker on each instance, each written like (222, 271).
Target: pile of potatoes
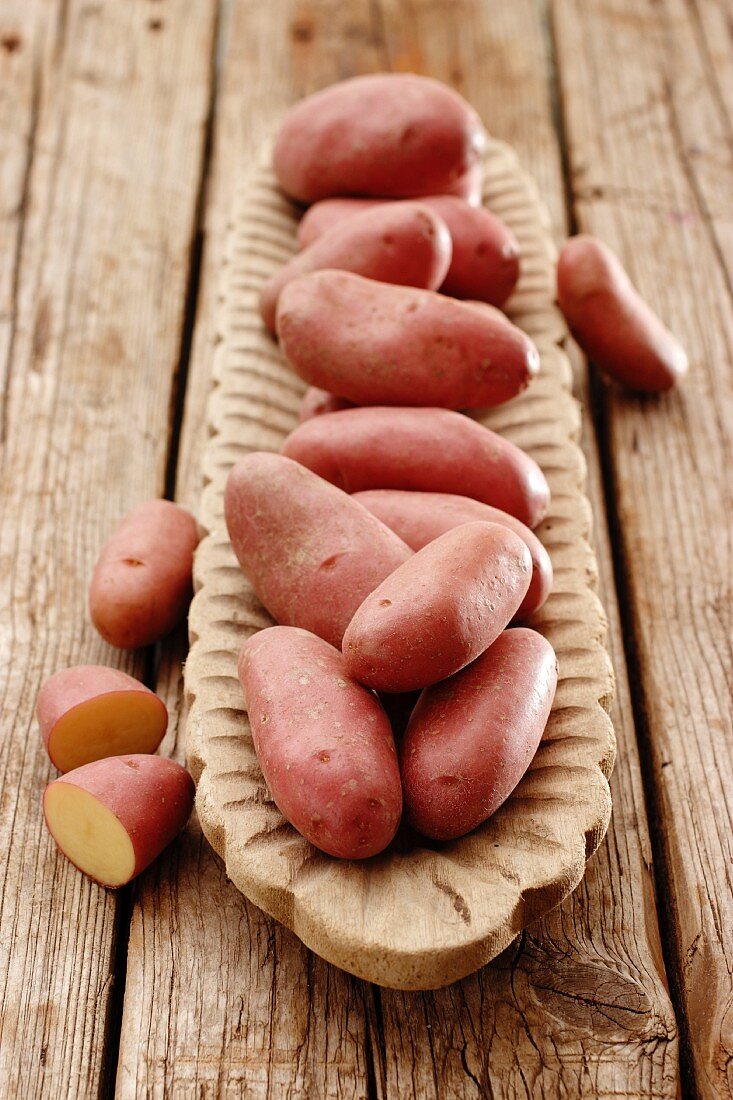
(391, 539)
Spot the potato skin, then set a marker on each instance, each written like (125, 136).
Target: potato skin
(404, 243)
(152, 798)
(430, 450)
(613, 324)
(377, 344)
(389, 134)
(418, 518)
(315, 402)
(70, 687)
(310, 551)
(323, 741)
(471, 738)
(485, 261)
(439, 610)
(141, 585)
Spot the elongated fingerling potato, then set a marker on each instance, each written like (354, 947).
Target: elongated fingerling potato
(431, 450)
(471, 738)
(439, 610)
(404, 243)
(311, 552)
(113, 817)
(612, 323)
(374, 343)
(418, 518)
(141, 584)
(89, 712)
(485, 259)
(315, 402)
(323, 741)
(388, 134)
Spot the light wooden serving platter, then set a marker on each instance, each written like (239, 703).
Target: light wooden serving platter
(417, 917)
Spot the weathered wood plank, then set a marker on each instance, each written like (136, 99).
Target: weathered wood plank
(580, 1007)
(650, 152)
(219, 997)
(102, 107)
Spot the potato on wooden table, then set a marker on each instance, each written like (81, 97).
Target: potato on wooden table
(141, 584)
(405, 243)
(418, 518)
(388, 134)
(310, 551)
(612, 323)
(439, 610)
(378, 344)
(88, 712)
(323, 741)
(471, 738)
(485, 258)
(113, 817)
(431, 450)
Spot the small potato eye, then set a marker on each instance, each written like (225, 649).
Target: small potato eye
(324, 757)
(385, 603)
(134, 562)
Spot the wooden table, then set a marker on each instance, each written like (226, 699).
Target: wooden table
(122, 129)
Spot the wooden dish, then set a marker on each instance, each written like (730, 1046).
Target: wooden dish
(417, 917)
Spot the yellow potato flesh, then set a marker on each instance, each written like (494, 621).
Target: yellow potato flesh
(111, 725)
(89, 834)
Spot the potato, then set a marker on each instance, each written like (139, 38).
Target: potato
(113, 817)
(439, 610)
(315, 402)
(311, 552)
(89, 711)
(485, 263)
(432, 450)
(377, 344)
(471, 738)
(396, 242)
(614, 326)
(141, 584)
(322, 217)
(390, 134)
(485, 260)
(469, 186)
(418, 518)
(324, 743)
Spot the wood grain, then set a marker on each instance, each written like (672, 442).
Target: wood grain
(101, 147)
(269, 1017)
(663, 107)
(514, 1030)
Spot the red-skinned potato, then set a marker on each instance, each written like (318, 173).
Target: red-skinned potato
(89, 712)
(485, 263)
(113, 817)
(485, 259)
(388, 134)
(311, 552)
(429, 450)
(469, 186)
(323, 741)
(377, 344)
(439, 610)
(315, 402)
(613, 324)
(404, 243)
(141, 584)
(471, 738)
(418, 518)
